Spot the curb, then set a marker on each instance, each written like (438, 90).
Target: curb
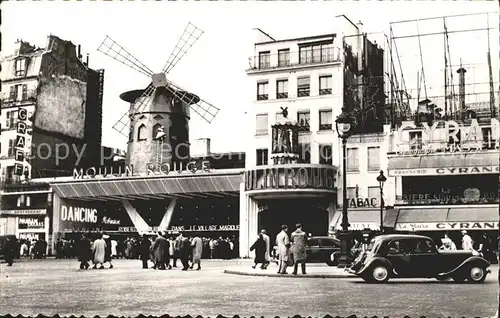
(241, 273)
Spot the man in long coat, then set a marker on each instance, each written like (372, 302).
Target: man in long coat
(260, 251)
(299, 239)
(9, 250)
(84, 252)
(283, 243)
(160, 251)
(99, 250)
(197, 245)
(144, 251)
(267, 255)
(185, 252)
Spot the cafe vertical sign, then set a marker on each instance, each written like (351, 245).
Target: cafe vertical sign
(20, 145)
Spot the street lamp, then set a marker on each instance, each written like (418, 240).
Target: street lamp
(345, 126)
(381, 180)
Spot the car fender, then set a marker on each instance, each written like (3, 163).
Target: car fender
(471, 260)
(375, 260)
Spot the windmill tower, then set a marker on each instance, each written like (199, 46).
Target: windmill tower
(162, 106)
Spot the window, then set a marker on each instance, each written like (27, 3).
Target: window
(282, 89)
(12, 149)
(284, 57)
(156, 128)
(303, 86)
(325, 120)
(351, 192)
(10, 122)
(395, 247)
(24, 93)
(303, 118)
(374, 192)
(20, 67)
(141, 132)
(12, 95)
(325, 154)
(322, 52)
(313, 242)
(328, 242)
(261, 157)
(131, 133)
(262, 91)
(416, 139)
(305, 153)
(264, 59)
(488, 143)
(352, 160)
(373, 158)
(261, 124)
(325, 85)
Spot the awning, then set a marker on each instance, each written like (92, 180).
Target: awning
(445, 164)
(360, 219)
(183, 186)
(456, 218)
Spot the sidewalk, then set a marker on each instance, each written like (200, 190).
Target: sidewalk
(313, 271)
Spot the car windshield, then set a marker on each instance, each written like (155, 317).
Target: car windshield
(373, 245)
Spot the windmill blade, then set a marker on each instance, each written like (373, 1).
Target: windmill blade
(117, 52)
(206, 110)
(138, 107)
(190, 35)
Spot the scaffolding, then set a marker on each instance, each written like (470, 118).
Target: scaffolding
(418, 46)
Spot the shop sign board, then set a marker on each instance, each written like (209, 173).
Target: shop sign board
(444, 171)
(464, 138)
(291, 177)
(22, 116)
(362, 202)
(31, 223)
(444, 226)
(190, 228)
(151, 170)
(24, 212)
(75, 217)
(359, 226)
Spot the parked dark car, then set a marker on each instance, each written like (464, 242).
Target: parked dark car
(416, 256)
(322, 249)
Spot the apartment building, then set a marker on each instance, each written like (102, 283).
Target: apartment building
(311, 78)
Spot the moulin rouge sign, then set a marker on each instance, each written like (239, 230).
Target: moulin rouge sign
(457, 138)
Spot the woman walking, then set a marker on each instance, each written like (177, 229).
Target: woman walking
(260, 252)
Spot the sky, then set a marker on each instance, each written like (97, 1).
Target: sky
(215, 66)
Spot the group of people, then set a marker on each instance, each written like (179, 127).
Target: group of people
(33, 249)
(162, 249)
(98, 252)
(289, 249)
(483, 245)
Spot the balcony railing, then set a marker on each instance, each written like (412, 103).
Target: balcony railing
(9, 101)
(291, 59)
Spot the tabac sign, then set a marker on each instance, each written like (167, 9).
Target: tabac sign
(449, 136)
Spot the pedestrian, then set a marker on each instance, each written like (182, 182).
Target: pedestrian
(84, 252)
(24, 249)
(177, 249)
(467, 243)
(299, 239)
(267, 255)
(59, 248)
(144, 249)
(9, 250)
(197, 246)
(184, 253)
(114, 250)
(283, 243)
(260, 251)
(98, 248)
(160, 251)
(448, 244)
(171, 250)
(107, 251)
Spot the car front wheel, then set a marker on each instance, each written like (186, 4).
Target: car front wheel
(476, 275)
(380, 274)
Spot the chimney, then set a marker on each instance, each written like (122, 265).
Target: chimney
(79, 52)
(461, 89)
(87, 61)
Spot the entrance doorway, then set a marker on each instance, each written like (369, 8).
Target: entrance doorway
(312, 216)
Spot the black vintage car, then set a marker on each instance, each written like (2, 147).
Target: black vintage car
(416, 256)
(321, 249)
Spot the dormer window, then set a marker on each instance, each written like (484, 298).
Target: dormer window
(20, 65)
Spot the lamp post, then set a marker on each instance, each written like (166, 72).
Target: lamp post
(345, 126)
(381, 180)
